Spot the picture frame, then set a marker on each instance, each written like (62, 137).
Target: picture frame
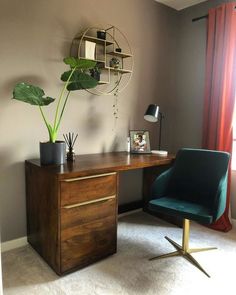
(139, 142)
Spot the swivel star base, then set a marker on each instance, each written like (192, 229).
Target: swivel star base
(184, 249)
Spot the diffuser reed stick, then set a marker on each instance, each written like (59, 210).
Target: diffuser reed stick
(70, 140)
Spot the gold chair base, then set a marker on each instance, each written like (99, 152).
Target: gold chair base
(184, 249)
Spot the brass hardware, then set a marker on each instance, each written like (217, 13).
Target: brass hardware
(89, 202)
(89, 177)
(185, 240)
(184, 249)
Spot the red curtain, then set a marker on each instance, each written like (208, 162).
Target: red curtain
(220, 88)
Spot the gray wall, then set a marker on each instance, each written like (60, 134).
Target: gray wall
(185, 109)
(35, 36)
(169, 53)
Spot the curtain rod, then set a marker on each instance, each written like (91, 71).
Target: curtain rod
(202, 17)
(199, 18)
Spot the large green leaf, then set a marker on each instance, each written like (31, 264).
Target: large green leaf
(65, 76)
(79, 63)
(81, 81)
(31, 94)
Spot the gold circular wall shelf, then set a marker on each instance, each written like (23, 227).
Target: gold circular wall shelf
(115, 45)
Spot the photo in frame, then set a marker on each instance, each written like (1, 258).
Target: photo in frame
(139, 142)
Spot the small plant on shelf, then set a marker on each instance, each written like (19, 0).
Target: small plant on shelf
(77, 78)
(114, 63)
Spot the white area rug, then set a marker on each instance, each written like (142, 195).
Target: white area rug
(140, 236)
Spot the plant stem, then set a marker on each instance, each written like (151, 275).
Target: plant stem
(47, 124)
(60, 98)
(44, 118)
(63, 109)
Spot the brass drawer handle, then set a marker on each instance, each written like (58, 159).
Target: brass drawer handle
(89, 202)
(88, 177)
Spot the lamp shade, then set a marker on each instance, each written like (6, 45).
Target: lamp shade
(151, 114)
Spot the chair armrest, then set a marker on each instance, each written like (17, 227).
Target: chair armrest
(220, 200)
(160, 185)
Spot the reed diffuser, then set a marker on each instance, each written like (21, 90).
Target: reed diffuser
(70, 142)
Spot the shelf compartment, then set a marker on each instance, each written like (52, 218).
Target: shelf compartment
(96, 40)
(122, 71)
(120, 54)
(97, 60)
(103, 82)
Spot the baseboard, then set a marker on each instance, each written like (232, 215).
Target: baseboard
(9, 245)
(129, 213)
(233, 221)
(130, 206)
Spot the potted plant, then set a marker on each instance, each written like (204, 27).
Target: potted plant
(114, 63)
(77, 78)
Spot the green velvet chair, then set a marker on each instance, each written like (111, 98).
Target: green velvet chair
(194, 188)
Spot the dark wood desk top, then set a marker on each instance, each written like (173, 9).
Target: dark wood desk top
(103, 163)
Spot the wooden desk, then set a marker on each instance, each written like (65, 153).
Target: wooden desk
(72, 208)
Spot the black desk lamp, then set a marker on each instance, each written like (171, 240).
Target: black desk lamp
(152, 115)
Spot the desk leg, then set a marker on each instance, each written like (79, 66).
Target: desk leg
(149, 175)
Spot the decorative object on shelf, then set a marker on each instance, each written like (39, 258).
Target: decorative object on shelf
(77, 78)
(114, 63)
(109, 41)
(70, 141)
(152, 114)
(139, 142)
(101, 34)
(90, 50)
(118, 49)
(95, 73)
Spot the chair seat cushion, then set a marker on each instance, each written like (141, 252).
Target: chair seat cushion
(181, 208)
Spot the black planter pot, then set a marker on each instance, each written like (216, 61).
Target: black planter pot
(52, 153)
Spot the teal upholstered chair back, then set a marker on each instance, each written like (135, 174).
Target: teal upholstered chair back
(197, 176)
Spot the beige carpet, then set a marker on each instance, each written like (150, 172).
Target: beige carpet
(140, 236)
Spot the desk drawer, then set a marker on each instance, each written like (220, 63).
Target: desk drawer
(88, 233)
(86, 213)
(82, 189)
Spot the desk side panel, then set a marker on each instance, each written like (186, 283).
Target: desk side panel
(42, 213)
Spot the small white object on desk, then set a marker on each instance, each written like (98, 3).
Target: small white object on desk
(160, 153)
(128, 144)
